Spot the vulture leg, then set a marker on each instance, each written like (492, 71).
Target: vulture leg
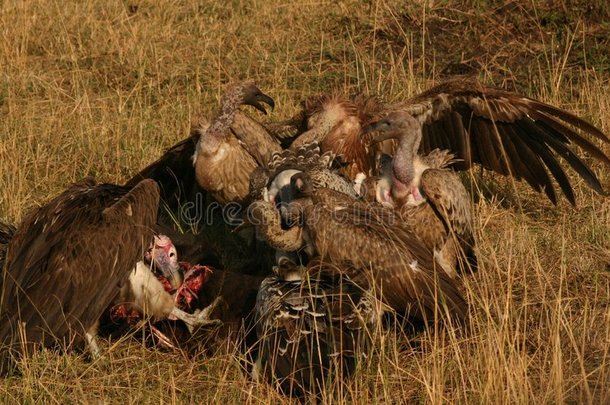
(199, 318)
(93, 347)
(92, 343)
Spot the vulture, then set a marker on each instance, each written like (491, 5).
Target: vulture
(233, 145)
(212, 166)
(335, 122)
(506, 133)
(428, 197)
(64, 264)
(312, 324)
(216, 297)
(499, 130)
(149, 282)
(368, 244)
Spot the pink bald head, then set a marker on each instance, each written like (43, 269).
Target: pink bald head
(164, 258)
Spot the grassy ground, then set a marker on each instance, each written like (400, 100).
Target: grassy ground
(101, 88)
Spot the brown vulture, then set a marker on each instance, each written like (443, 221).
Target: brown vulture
(335, 122)
(429, 198)
(233, 145)
(65, 262)
(312, 324)
(223, 153)
(365, 242)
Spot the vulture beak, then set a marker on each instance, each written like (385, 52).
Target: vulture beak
(174, 276)
(372, 127)
(377, 132)
(258, 98)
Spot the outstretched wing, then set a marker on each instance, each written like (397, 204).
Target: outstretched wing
(506, 133)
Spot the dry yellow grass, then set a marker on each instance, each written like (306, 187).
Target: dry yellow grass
(101, 88)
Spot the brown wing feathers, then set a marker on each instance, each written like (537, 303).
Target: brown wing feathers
(506, 133)
(67, 258)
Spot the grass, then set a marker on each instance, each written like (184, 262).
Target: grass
(101, 88)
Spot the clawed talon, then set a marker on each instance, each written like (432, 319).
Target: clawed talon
(199, 318)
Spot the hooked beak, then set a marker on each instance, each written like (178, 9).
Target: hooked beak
(261, 98)
(373, 133)
(174, 275)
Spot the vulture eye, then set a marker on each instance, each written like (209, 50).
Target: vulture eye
(172, 254)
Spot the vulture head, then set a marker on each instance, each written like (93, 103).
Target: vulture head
(163, 258)
(406, 165)
(249, 94)
(301, 185)
(279, 190)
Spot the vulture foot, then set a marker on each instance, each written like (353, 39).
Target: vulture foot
(93, 347)
(199, 318)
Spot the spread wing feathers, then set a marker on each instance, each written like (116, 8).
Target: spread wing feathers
(383, 252)
(311, 329)
(68, 257)
(254, 138)
(450, 201)
(174, 173)
(506, 133)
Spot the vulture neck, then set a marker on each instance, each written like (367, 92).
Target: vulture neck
(219, 129)
(407, 168)
(222, 122)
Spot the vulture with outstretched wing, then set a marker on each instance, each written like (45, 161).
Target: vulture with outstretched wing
(506, 133)
(65, 262)
(502, 131)
(213, 166)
